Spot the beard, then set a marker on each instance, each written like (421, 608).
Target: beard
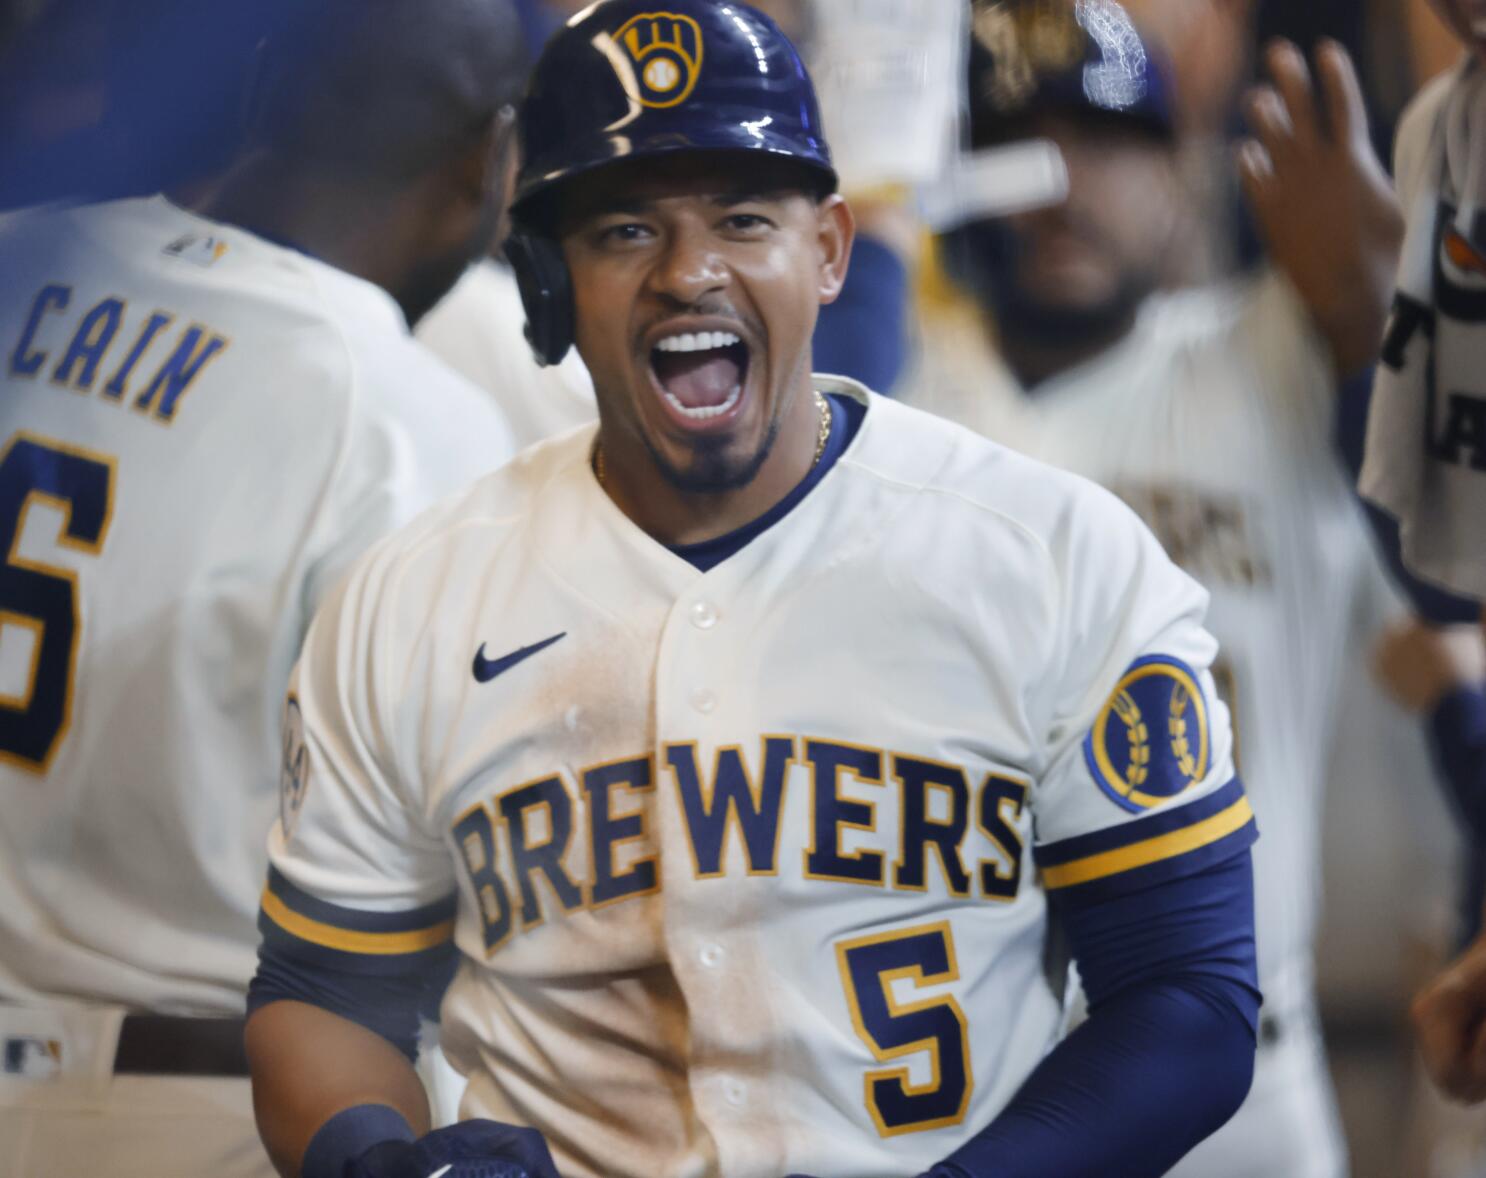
(711, 472)
(987, 258)
(434, 277)
(1051, 324)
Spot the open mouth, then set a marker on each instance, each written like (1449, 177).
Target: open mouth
(701, 374)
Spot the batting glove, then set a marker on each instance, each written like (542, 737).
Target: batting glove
(470, 1149)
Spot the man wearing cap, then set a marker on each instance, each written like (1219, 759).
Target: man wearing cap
(741, 748)
(1210, 412)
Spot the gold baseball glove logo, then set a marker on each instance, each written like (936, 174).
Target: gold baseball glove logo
(666, 49)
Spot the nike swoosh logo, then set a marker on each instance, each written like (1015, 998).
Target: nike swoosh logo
(488, 669)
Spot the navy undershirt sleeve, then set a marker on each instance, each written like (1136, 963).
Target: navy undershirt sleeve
(1457, 728)
(864, 333)
(387, 1002)
(1457, 736)
(1167, 1054)
(1429, 601)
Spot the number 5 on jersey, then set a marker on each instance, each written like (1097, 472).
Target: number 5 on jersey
(870, 969)
(40, 598)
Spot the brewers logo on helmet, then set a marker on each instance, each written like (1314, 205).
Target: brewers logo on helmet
(666, 49)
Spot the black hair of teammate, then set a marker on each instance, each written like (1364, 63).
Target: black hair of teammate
(380, 139)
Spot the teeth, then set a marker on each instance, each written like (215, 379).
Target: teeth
(699, 341)
(706, 411)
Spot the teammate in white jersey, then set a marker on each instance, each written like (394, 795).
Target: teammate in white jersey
(205, 421)
(741, 747)
(476, 330)
(1209, 412)
(1425, 449)
(1426, 440)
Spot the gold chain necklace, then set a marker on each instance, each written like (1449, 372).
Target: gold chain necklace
(822, 436)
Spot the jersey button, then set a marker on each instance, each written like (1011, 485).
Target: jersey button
(735, 1092)
(703, 615)
(704, 701)
(711, 955)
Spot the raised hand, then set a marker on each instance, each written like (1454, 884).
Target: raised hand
(1324, 205)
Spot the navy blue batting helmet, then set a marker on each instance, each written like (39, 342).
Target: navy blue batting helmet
(635, 79)
(630, 79)
(1080, 57)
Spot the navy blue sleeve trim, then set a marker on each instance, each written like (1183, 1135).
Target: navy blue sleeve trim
(1155, 875)
(1142, 829)
(358, 919)
(303, 926)
(1162, 847)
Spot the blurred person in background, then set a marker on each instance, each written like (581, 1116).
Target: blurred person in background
(208, 415)
(1210, 412)
(1426, 442)
(1426, 448)
(1438, 671)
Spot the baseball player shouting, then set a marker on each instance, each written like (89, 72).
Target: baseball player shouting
(744, 747)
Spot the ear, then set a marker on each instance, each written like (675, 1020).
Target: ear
(484, 174)
(835, 231)
(486, 167)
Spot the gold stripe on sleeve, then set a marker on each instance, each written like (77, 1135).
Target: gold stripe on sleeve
(1153, 850)
(352, 941)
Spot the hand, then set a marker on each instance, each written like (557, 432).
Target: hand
(1449, 1019)
(1324, 205)
(470, 1149)
(1420, 664)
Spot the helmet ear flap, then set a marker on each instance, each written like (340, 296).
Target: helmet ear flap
(546, 294)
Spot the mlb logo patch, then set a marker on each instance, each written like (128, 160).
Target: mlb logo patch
(198, 249)
(31, 1057)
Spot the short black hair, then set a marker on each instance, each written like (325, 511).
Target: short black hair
(385, 89)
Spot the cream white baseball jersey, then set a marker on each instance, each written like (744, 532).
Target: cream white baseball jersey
(478, 330)
(200, 431)
(1212, 419)
(1426, 432)
(748, 869)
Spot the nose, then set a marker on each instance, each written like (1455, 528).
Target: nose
(689, 268)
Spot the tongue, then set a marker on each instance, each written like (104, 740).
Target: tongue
(699, 380)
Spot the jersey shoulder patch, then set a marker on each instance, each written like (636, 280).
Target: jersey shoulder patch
(1151, 739)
